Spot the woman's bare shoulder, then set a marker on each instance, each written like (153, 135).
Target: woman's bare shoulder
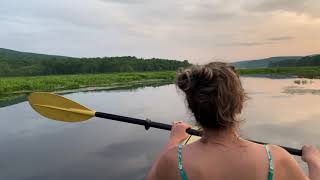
(278, 151)
(285, 163)
(167, 167)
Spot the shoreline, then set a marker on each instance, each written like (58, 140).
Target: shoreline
(309, 72)
(116, 86)
(13, 87)
(271, 76)
(17, 87)
(18, 98)
(22, 85)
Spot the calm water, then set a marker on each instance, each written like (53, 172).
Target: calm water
(34, 148)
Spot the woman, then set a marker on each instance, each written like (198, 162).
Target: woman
(215, 97)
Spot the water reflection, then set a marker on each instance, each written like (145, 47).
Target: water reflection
(12, 101)
(304, 86)
(33, 147)
(8, 101)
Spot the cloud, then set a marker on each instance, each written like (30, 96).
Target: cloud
(269, 41)
(210, 16)
(244, 44)
(302, 7)
(127, 2)
(210, 11)
(281, 38)
(303, 132)
(288, 5)
(180, 29)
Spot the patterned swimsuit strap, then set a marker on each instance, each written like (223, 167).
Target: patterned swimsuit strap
(180, 165)
(270, 173)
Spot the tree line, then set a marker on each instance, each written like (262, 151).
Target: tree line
(304, 61)
(13, 63)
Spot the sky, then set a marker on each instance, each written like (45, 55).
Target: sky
(196, 30)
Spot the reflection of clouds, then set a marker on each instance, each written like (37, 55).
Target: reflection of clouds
(120, 160)
(281, 134)
(127, 149)
(280, 96)
(103, 149)
(273, 105)
(302, 91)
(91, 173)
(280, 118)
(294, 134)
(129, 156)
(255, 92)
(96, 150)
(265, 85)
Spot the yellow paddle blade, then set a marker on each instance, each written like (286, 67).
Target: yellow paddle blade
(59, 108)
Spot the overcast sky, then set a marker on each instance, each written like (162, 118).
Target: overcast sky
(198, 30)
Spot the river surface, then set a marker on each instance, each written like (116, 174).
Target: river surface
(280, 111)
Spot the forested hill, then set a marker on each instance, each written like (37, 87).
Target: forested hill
(15, 63)
(8, 54)
(304, 61)
(262, 63)
(285, 61)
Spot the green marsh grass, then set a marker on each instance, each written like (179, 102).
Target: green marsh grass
(15, 86)
(22, 85)
(306, 72)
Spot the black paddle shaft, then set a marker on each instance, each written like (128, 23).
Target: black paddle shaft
(148, 123)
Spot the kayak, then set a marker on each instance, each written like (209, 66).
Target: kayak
(191, 139)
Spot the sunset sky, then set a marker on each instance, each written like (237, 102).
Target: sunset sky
(198, 30)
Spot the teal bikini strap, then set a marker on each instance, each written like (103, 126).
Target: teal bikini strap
(180, 165)
(270, 173)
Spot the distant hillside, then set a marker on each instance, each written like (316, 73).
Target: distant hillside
(15, 63)
(262, 63)
(8, 54)
(304, 61)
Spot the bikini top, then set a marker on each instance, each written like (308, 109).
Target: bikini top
(184, 176)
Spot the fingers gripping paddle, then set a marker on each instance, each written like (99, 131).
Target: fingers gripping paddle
(60, 108)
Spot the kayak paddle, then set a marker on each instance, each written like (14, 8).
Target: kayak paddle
(60, 108)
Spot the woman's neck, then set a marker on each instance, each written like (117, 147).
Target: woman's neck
(222, 137)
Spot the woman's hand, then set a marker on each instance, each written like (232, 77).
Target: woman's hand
(178, 132)
(311, 155)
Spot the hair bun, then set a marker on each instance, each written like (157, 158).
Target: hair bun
(214, 93)
(188, 80)
(184, 80)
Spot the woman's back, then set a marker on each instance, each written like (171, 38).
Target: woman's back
(244, 160)
(215, 161)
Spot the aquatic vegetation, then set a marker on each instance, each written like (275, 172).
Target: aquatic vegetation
(302, 81)
(301, 91)
(312, 72)
(20, 85)
(15, 86)
(297, 81)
